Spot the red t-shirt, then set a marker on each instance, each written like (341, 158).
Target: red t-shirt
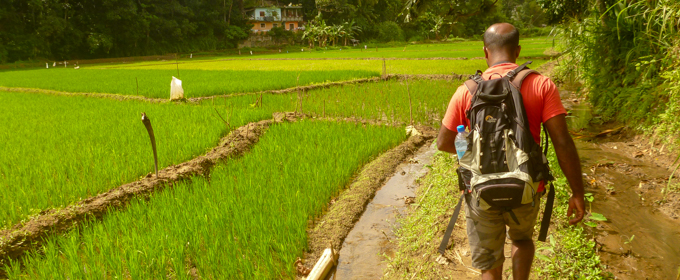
(540, 96)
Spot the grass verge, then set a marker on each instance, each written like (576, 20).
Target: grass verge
(568, 254)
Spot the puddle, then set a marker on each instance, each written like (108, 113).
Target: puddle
(362, 252)
(579, 117)
(654, 252)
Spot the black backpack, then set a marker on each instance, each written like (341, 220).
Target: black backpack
(503, 165)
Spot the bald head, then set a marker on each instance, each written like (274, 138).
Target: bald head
(502, 39)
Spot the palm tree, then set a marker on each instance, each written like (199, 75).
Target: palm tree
(352, 29)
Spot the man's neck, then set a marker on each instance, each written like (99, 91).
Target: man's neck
(496, 61)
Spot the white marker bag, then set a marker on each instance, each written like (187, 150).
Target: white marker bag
(176, 91)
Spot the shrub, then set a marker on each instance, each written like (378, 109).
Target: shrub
(390, 31)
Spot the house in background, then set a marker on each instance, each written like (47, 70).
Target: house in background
(265, 18)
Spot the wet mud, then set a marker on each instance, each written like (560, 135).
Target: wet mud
(29, 235)
(344, 211)
(641, 237)
(362, 253)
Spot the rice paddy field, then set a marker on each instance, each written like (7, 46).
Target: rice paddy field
(247, 222)
(248, 218)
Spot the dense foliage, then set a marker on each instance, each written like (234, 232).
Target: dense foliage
(62, 29)
(86, 29)
(627, 54)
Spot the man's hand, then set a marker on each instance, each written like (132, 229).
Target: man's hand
(570, 164)
(576, 207)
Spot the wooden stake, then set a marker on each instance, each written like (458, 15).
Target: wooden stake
(324, 108)
(177, 63)
(384, 74)
(137, 85)
(410, 107)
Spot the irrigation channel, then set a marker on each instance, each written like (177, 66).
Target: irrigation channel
(361, 255)
(624, 186)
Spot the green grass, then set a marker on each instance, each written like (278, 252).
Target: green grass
(570, 251)
(156, 83)
(419, 233)
(247, 221)
(568, 254)
(386, 101)
(375, 66)
(61, 149)
(530, 47)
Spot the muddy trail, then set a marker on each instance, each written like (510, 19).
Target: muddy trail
(641, 239)
(29, 235)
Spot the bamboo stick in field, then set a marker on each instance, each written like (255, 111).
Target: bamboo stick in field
(410, 107)
(384, 73)
(324, 265)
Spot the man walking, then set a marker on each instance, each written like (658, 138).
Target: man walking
(487, 228)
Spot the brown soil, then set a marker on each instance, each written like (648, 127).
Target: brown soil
(29, 235)
(345, 210)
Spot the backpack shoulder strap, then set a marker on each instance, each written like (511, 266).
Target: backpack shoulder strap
(519, 78)
(472, 83)
(518, 74)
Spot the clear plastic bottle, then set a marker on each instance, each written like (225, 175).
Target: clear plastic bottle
(461, 141)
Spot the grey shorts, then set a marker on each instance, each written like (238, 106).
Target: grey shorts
(486, 230)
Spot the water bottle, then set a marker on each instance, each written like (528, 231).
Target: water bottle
(461, 141)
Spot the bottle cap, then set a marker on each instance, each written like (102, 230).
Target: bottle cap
(461, 128)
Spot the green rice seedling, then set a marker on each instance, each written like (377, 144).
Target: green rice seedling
(392, 66)
(156, 83)
(248, 221)
(61, 149)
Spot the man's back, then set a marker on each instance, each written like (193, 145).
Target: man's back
(486, 228)
(540, 96)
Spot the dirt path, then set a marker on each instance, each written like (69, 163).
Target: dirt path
(641, 239)
(345, 210)
(29, 235)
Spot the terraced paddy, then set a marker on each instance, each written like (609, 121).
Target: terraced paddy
(245, 218)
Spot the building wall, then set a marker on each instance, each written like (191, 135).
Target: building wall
(268, 12)
(258, 26)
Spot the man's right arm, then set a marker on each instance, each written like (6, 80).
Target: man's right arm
(570, 164)
(454, 116)
(446, 140)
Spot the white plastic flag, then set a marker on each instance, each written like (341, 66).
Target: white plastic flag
(47, 65)
(176, 91)
(54, 64)
(191, 56)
